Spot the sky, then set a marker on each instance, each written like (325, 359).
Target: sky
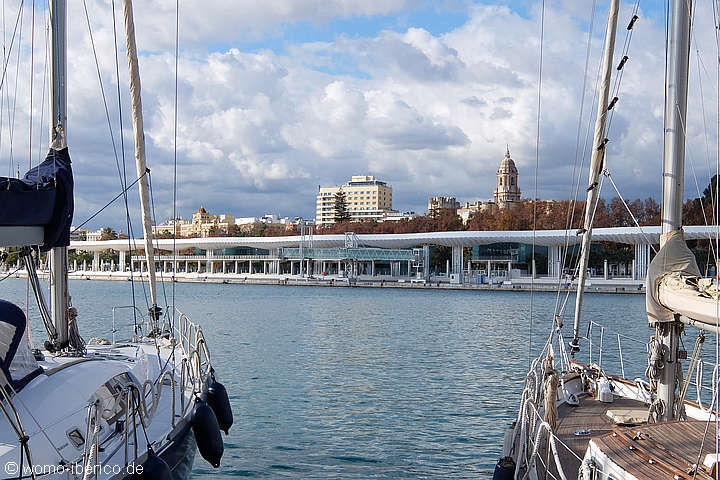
(277, 97)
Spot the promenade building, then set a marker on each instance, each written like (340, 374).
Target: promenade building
(366, 197)
(203, 224)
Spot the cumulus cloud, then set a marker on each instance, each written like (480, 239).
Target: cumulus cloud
(430, 113)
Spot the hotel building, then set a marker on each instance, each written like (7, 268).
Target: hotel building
(367, 198)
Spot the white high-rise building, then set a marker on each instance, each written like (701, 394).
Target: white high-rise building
(367, 198)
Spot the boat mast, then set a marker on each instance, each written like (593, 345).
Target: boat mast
(676, 84)
(58, 138)
(597, 162)
(140, 163)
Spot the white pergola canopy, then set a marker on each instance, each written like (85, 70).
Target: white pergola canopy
(627, 235)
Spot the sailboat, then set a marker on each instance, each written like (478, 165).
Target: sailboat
(138, 408)
(577, 420)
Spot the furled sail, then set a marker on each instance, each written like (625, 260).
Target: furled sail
(43, 197)
(674, 286)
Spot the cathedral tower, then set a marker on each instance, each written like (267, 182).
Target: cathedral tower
(507, 190)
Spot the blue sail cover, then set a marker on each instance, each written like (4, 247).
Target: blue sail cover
(43, 197)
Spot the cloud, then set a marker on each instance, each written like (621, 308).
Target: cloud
(259, 130)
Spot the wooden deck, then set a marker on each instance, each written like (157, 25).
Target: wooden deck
(647, 451)
(661, 450)
(591, 417)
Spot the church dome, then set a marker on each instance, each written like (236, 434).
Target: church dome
(507, 165)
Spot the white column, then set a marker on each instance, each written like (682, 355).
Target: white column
(75, 264)
(509, 270)
(224, 267)
(426, 261)
(372, 268)
(186, 266)
(457, 262)
(96, 261)
(606, 273)
(121, 259)
(554, 260)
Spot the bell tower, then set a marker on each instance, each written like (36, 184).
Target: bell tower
(507, 191)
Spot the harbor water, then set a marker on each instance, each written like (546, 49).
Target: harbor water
(365, 383)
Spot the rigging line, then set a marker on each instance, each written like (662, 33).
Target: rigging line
(616, 88)
(123, 179)
(577, 265)
(18, 22)
(32, 73)
(10, 274)
(606, 172)
(625, 51)
(157, 244)
(102, 93)
(6, 61)
(17, 72)
(574, 256)
(717, 207)
(700, 63)
(537, 162)
(580, 120)
(44, 84)
(10, 169)
(175, 115)
(714, 194)
(697, 186)
(109, 203)
(124, 169)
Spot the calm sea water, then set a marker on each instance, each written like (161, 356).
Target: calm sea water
(365, 383)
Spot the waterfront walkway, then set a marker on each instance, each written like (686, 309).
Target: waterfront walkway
(541, 284)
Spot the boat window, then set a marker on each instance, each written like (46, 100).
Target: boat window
(109, 394)
(76, 438)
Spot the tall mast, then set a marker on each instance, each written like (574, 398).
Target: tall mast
(596, 165)
(58, 135)
(140, 163)
(676, 84)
